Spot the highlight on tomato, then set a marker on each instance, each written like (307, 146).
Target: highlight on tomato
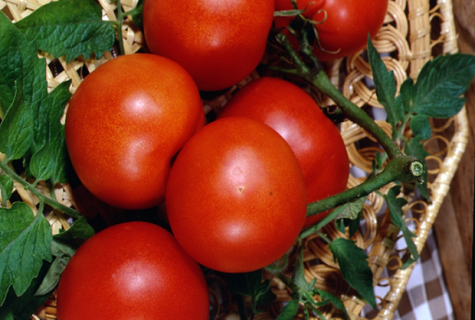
(133, 270)
(218, 42)
(126, 122)
(342, 25)
(315, 140)
(236, 197)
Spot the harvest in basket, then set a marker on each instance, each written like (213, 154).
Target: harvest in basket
(222, 160)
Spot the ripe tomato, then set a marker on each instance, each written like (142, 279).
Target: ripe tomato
(218, 42)
(347, 23)
(315, 140)
(134, 270)
(126, 122)
(236, 198)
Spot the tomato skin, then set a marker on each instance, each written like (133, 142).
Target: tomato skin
(134, 270)
(315, 140)
(124, 124)
(236, 198)
(346, 27)
(218, 42)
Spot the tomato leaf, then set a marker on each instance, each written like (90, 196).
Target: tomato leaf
(79, 232)
(19, 63)
(51, 160)
(136, 14)
(16, 129)
(21, 308)
(351, 210)
(24, 244)
(298, 276)
(354, 267)
(289, 311)
(395, 205)
(62, 253)
(385, 86)
(80, 32)
(6, 188)
(440, 85)
(331, 298)
(420, 126)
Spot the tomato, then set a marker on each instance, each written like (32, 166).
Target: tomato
(126, 122)
(236, 198)
(315, 140)
(347, 24)
(218, 42)
(134, 270)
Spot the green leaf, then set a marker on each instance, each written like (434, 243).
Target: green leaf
(63, 254)
(289, 311)
(354, 268)
(420, 126)
(79, 232)
(19, 63)
(415, 148)
(251, 284)
(80, 32)
(50, 159)
(385, 86)
(395, 209)
(351, 210)
(328, 297)
(24, 243)
(21, 308)
(406, 93)
(298, 276)
(441, 83)
(6, 188)
(16, 129)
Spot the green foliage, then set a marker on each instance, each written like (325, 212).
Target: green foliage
(80, 32)
(24, 244)
(354, 267)
(6, 188)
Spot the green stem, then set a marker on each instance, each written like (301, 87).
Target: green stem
(120, 18)
(55, 204)
(403, 168)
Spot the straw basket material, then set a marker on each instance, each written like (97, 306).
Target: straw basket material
(413, 32)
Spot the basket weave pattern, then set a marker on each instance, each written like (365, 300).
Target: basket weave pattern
(413, 32)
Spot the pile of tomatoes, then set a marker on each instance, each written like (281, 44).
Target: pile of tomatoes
(235, 189)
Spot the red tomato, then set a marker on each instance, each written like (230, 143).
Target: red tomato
(315, 140)
(126, 122)
(236, 198)
(347, 24)
(218, 42)
(134, 270)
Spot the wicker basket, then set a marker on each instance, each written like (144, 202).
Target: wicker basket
(413, 32)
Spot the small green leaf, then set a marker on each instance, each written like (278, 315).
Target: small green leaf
(289, 311)
(420, 126)
(80, 32)
(298, 276)
(395, 209)
(441, 83)
(24, 243)
(16, 129)
(79, 232)
(354, 267)
(40, 165)
(328, 297)
(385, 86)
(351, 210)
(406, 94)
(63, 254)
(6, 188)
(137, 14)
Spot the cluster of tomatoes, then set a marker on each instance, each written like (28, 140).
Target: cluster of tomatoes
(235, 189)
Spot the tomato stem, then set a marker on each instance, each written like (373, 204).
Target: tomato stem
(27, 186)
(402, 168)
